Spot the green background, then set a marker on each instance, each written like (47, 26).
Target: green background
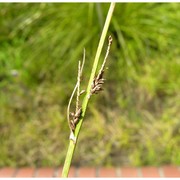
(134, 121)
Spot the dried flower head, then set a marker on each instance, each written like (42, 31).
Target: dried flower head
(98, 80)
(73, 118)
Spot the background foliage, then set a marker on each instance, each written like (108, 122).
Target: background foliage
(135, 121)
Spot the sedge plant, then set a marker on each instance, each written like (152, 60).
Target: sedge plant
(93, 87)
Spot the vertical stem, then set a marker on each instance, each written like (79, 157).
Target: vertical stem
(72, 145)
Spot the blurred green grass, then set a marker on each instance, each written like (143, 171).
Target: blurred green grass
(135, 121)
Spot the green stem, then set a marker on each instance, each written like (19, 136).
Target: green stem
(72, 145)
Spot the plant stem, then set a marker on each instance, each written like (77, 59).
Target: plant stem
(72, 145)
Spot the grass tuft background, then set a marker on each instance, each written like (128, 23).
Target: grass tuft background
(135, 121)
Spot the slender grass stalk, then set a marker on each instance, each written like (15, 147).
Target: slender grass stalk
(72, 145)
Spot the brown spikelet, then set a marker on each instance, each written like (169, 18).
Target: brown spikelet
(98, 80)
(73, 118)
